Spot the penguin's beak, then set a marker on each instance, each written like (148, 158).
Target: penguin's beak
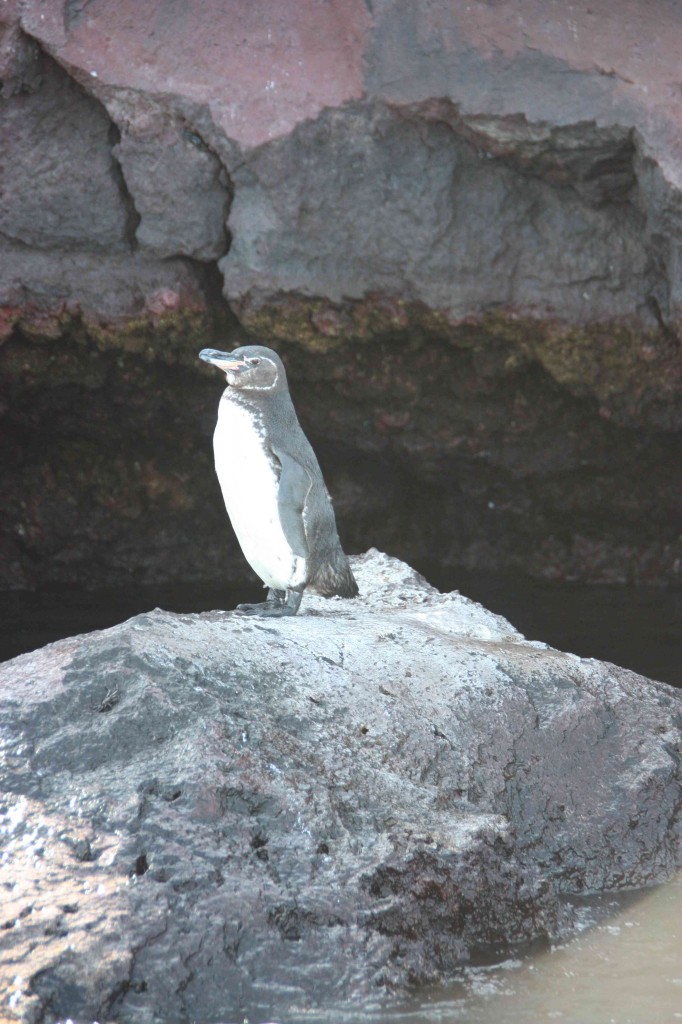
(223, 360)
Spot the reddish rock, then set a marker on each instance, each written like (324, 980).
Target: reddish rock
(496, 181)
(458, 167)
(259, 68)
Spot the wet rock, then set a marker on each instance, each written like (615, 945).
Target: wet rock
(212, 816)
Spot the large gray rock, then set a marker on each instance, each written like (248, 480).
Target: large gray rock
(61, 186)
(409, 203)
(183, 205)
(467, 157)
(209, 816)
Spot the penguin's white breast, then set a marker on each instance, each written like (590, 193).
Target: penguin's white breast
(250, 487)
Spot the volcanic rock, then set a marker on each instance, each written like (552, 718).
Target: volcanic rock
(217, 817)
(484, 197)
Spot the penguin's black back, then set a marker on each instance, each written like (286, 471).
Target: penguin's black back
(328, 572)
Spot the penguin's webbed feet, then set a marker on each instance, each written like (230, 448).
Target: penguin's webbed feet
(272, 609)
(278, 604)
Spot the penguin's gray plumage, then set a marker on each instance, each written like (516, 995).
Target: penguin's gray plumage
(272, 484)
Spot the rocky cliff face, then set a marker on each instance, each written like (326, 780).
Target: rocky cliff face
(459, 225)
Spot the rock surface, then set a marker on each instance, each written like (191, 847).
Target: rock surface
(209, 816)
(458, 156)
(484, 196)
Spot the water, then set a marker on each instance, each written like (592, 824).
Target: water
(638, 627)
(29, 620)
(628, 970)
(624, 969)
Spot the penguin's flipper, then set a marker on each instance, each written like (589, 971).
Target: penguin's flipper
(294, 485)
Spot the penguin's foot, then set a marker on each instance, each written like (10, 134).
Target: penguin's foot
(278, 604)
(271, 609)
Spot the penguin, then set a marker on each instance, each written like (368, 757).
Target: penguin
(272, 485)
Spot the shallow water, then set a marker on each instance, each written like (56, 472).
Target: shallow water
(624, 967)
(625, 970)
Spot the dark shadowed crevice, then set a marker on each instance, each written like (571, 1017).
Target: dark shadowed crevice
(597, 162)
(132, 215)
(496, 442)
(213, 285)
(141, 865)
(430, 453)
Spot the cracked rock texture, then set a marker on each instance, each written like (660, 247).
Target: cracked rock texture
(216, 817)
(500, 182)
(463, 158)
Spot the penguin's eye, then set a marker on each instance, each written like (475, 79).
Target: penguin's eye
(253, 362)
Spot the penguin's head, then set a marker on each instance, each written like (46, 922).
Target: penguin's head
(250, 368)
